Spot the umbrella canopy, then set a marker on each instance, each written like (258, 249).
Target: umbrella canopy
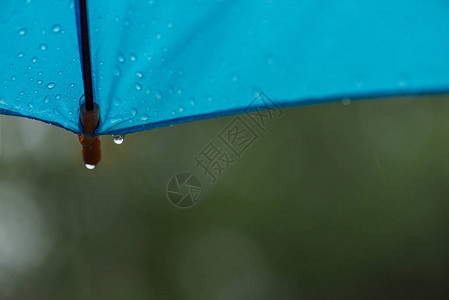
(156, 63)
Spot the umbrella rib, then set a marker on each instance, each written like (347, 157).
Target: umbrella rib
(85, 51)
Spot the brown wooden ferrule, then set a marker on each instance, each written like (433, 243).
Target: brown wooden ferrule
(90, 120)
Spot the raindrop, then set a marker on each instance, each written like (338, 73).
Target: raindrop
(39, 73)
(270, 59)
(30, 105)
(133, 57)
(51, 85)
(39, 81)
(20, 54)
(117, 72)
(13, 78)
(90, 167)
(43, 46)
(72, 85)
(22, 31)
(34, 59)
(46, 99)
(60, 73)
(138, 86)
(181, 109)
(56, 28)
(58, 96)
(159, 95)
(121, 58)
(139, 74)
(118, 139)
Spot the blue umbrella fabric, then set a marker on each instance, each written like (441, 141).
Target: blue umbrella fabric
(156, 63)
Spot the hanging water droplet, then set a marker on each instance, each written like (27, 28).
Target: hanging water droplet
(118, 139)
(56, 28)
(22, 31)
(51, 85)
(43, 46)
(90, 167)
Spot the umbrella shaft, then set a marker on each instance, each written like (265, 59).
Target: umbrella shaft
(85, 51)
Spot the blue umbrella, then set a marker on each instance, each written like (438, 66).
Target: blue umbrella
(127, 66)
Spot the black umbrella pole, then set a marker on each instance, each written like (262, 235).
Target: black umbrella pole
(90, 111)
(85, 52)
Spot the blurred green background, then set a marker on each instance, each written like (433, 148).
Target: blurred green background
(334, 201)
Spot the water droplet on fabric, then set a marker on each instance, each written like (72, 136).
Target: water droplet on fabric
(90, 167)
(20, 54)
(133, 57)
(56, 28)
(138, 86)
(117, 72)
(22, 31)
(139, 74)
(58, 97)
(43, 47)
(46, 99)
(118, 139)
(51, 85)
(34, 59)
(121, 58)
(72, 85)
